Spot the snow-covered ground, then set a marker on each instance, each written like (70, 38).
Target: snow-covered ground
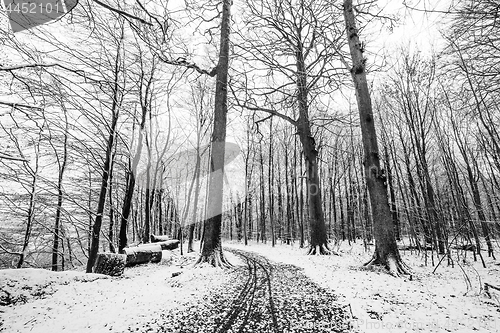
(439, 302)
(77, 302)
(72, 301)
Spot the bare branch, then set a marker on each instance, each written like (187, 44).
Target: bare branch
(19, 105)
(189, 65)
(9, 252)
(257, 108)
(162, 27)
(4, 156)
(121, 12)
(78, 72)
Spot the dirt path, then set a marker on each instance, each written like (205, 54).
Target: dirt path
(263, 297)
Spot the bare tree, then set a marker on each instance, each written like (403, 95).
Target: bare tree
(386, 250)
(211, 251)
(117, 64)
(62, 161)
(287, 47)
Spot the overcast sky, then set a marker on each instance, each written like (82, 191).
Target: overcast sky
(416, 29)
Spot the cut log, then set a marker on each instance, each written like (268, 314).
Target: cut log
(143, 254)
(156, 239)
(110, 264)
(166, 245)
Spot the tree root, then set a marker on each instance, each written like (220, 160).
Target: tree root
(321, 250)
(395, 267)
(216, 259)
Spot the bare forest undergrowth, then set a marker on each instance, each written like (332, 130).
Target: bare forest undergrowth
(268, 289)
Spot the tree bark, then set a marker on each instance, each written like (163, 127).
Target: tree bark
(143, 254)
(170, 244)
(270, 184)
(111, 264)
(211, 251)
(111, 212)
(319, 241)
(386, 250)
(96, 228)
(392, 192)
(262, 200)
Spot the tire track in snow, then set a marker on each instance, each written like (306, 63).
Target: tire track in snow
(264, 297)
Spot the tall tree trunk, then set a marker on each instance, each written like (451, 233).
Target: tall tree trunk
(126, 208)
(281, 211)
(159, 208)
(390, 183)
(270, 184)
(115, 109)
(31, 207)
(476, 198)
(492, 207)
(111, 213)
(145, 96)
(300, 203)
(195, 203)
(211, 251)
(350, 205)
(62, 167)
(334, 207)
(342, 216)
(386, 250)
(289, 207)
(197, 173)
(147, 202)
(96, 229)
(319, 241)
(248, 173)
(262, 230)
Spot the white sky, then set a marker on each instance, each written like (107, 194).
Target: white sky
(415, 29)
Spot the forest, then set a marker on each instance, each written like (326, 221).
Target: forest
(287, 124)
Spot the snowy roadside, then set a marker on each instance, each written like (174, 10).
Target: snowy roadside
(76, 302)
(428, 303)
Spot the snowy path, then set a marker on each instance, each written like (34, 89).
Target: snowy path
(263, 297)
(148, 298)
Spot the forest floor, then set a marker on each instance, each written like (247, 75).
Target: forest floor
(452, 299)
(149, 298)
